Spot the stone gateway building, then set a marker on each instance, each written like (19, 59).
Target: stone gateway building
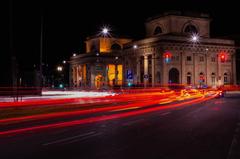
(177, 49)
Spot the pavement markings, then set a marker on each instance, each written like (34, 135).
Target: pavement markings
(124, 109)
(69, 138)
(81, 139)
(165, 113)
(132, 122)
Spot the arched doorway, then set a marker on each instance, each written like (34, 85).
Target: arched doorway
(189, 78)
(226, 78)
(173, 76)
(98, 81)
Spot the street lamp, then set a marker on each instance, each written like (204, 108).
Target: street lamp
(64, 62)
(105, 31)
(59, 68)
(135, 46)
(194, 38)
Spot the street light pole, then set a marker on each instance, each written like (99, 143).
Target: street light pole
(41, 54)
(194, 39)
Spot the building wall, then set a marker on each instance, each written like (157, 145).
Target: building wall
(199, 61)
(205, 59)
(104, 44)
(177, 24)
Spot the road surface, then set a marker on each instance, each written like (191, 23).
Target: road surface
(207, 130)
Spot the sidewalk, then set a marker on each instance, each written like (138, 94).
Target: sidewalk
(56, 95)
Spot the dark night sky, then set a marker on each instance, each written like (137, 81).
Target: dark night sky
(67, 23)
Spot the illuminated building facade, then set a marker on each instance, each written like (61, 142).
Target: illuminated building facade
(177, 49)
(101, 66)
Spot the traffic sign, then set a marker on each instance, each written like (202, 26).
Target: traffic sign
(129, 74)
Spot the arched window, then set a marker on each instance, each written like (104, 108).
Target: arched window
(158, 30)
(213, 79)
(116, 46)
(190, 29)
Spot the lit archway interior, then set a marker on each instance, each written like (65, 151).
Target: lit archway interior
(98, 81)
(113, 72)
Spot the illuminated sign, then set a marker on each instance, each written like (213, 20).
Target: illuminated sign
(129, 74)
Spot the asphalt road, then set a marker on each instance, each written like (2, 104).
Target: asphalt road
(209, 130)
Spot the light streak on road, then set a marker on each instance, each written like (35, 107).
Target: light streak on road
(71, 99)
(108, 117)
(141, 102)
(134, 101)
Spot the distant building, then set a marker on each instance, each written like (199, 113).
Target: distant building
(101, 65)
(177, 49)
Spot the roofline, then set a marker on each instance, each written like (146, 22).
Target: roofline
(181, 14)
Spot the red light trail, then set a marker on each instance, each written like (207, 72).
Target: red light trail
(108, 117)
(142, 102)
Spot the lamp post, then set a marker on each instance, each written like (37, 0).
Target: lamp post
(194, 39)
(41, 56)
(61, 78)
(131, 73)
(65, 75)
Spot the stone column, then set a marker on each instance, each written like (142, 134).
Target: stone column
(71, 74)
(165, 72)
(234, 72)
(116, 75)
(194, 69)
(138, 69)
(153, 70)
(77, 75)
(124, 71)
(206, 68)
(183, 72)
(145, 69)
(105, 76)
(219, 73)
(93, 74)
